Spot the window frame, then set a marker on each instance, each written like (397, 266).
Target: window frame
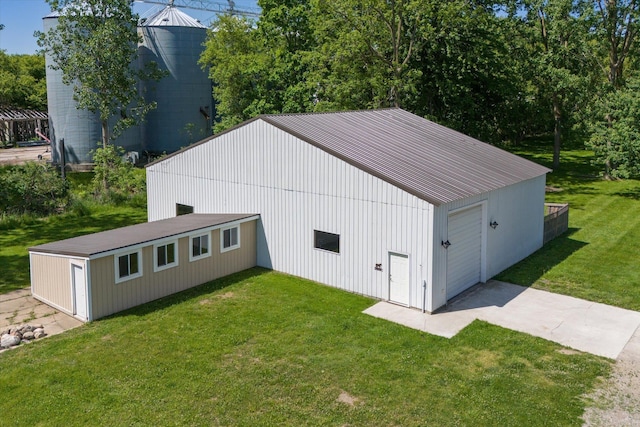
(116, 262)
(324, 249)
(166, 266)
(201, 256)
(232, 246)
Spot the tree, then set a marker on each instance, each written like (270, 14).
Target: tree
(95, 45)
(22, 81)
(616, 26)
(365, 53)
(560, 61)
(260, 68)
(472, 71)
(615, 137)
(120, 175)
(238, 66)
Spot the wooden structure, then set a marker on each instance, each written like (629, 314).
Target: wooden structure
(556, 220)
(22, 125)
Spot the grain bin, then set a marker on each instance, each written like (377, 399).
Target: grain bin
(184, 110)
(80, 129)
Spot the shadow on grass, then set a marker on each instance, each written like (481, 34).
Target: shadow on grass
(631, 194)
(188, 294)
(529, 270)
(575, 163)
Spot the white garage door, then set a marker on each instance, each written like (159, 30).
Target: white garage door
(464, 256)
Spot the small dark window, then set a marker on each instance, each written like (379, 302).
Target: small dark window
(165, 255)
(230, 239)
(199, 246)
(326, 241)
(128, 266)
(183, 209)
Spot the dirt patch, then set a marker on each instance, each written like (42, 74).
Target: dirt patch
(568, 351)
(18, 156)
(226, 295)
(347, 399)
(550, 189)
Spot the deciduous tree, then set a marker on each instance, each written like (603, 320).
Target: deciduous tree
(95, 45)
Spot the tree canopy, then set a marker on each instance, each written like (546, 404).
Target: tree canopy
(496, 70)
(95, 45)
(22, 81)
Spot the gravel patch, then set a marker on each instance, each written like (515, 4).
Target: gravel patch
(616, 403)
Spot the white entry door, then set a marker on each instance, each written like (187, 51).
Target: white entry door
(464, 256)
(79, 291)
(399, 278)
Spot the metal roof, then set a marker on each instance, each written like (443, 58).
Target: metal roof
(105, 241)
(170, 16)
(12, 114)
(430, 161)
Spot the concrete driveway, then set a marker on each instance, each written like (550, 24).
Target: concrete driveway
(582, 325)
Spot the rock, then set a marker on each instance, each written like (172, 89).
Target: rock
(39, 333)
(28, 335)
(38, 326)
(9, 341)
(26, 328)
(13, 330)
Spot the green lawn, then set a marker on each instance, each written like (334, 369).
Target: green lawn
(17, 235)
(597, 259)
(264, 348)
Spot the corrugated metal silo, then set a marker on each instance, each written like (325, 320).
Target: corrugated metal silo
(184, 114)
(80, 129)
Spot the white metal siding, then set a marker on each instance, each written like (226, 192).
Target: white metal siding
(519, 211)
(298, 188)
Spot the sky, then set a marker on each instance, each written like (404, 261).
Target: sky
(21, 18)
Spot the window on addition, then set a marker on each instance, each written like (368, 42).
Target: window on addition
(128, 266)
(230, 238)
(199, 247)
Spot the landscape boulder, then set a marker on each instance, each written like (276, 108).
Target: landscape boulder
(9, 340)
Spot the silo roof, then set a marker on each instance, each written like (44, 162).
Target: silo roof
(171, 17)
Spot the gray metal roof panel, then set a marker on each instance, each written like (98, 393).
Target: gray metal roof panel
(170, 16)
(104, 241)
(428, 160)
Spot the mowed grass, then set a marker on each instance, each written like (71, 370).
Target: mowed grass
(84, 217)
(598, 259)
(263, 348)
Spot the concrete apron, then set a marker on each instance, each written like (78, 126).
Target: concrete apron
(19, 307)
(587, 326)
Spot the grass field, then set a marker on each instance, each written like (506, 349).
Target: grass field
(263, 348)
(597, 259)
(19, 233)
